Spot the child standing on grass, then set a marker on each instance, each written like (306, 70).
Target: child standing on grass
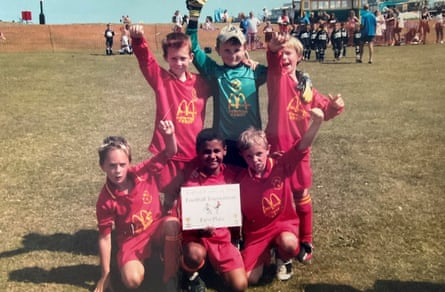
(235, 85)
(213, 244)
(109, 36)
(130, 201)
(291, 99)
(180, 96)
(269, 216)
(357, 41)
(337, 41)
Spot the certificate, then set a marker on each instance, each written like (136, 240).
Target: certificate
(210, 206)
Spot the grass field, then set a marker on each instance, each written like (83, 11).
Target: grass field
(379, 169)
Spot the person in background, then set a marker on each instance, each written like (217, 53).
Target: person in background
(265, 14)
(109, 36)
(439, 27)
(268, 31)
(130, 203)
(322, 41)
(252, 31)
(125, 41)
(305, 39)
(345, 38)
(283, 22)
(357, 37)
(390, 22)
(337, 41)
(368, 24)
(177, 20)
(352, 21)
(424, 27)
(380, 28)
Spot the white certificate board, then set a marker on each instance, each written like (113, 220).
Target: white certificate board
(210, 206)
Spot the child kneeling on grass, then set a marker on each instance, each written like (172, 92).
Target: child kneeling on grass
(130, 200)
(269, 217)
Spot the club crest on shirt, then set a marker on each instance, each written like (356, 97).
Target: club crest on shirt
(271, 205)
(147, 198)
(277, 183)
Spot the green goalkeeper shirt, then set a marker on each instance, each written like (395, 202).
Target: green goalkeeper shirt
(235, 91)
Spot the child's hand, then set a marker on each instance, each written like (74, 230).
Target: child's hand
(167, 127)
(337, 101)
(136, 31)
(103, 284)
(278, 40)
(317, 115)
(249, 62)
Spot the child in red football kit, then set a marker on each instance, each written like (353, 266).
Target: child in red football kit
(180, 96)
(269, 216)
(212, 243)
(130, 201)
(291, 98)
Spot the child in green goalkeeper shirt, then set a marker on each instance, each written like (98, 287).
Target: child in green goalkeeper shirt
(235, 84)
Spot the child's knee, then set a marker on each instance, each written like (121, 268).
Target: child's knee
(132, 277)
(193, 256)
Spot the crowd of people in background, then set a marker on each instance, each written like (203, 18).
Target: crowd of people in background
(391, 29)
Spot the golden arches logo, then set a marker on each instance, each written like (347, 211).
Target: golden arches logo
(186, 113)
(271, 206)
(236, 101)
(142, 221)
(295, 110)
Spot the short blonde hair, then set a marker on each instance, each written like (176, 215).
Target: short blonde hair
(111, 143)
(250, 137)
(294, 43)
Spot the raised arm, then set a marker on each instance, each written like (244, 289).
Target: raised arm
(168, 131)
(309, 136)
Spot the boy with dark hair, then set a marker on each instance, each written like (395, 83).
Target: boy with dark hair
(211, 244)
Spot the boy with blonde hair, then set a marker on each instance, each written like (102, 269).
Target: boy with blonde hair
(269, 216)
(291, 100)
(130, 203)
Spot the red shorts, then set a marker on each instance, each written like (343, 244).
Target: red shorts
(221, 253)
(256, 250)
(139, 247)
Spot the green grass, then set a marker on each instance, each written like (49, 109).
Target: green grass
(379, 169)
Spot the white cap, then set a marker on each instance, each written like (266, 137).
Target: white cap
(229, 32)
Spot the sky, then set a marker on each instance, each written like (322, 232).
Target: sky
(140, 11)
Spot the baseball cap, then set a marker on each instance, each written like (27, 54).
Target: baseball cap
(229, 32)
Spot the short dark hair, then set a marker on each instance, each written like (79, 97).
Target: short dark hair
(208, 134)
(176, 40)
